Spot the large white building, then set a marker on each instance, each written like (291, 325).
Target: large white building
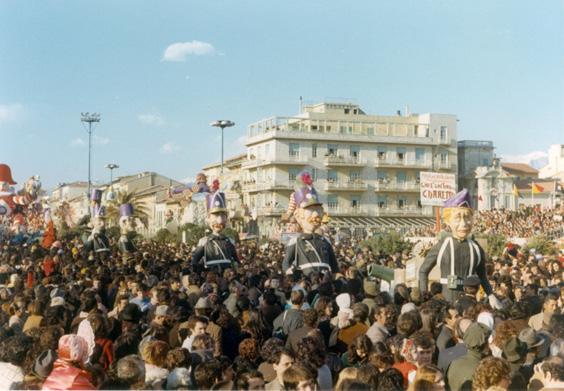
(555, 166)
(366, 167)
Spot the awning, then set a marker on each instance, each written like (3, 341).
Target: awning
(379, 222)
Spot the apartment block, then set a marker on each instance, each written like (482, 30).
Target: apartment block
(366, 167)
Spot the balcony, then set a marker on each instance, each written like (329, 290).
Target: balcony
(341, 161)
(271, 211)
(394, 186)
(444, 166)
(254, 187)
(408, 163)
(347, 211)
(289, 160)
(405, 211)
(300, 129)
(357, 185)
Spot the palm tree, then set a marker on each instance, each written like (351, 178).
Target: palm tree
(139, 210)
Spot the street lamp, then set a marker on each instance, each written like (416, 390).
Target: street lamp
(222, 124)
(111, 167)
(89, 119)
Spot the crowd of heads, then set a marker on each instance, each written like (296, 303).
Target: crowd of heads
(150, 321)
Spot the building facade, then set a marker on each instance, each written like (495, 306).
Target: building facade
(555, 167)
(471, 155)
(363, 165)
(495, 188)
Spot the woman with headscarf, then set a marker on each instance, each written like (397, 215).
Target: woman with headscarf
(68, 371)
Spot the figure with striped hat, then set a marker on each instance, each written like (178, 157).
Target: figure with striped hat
(13, 204)
(309, 252)
(457, 254)
(215, 251)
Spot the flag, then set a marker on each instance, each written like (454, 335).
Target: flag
(537, 189)
(516, 192)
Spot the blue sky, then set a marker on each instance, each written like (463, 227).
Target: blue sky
(496, 64)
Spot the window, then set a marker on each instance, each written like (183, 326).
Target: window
(332, 150)
(314, 174)
(382, 201)
(354, 176)
(443, 133)
(314, 128)
(294, 150)
(355, 202)
(444, 157)
(355, 152)
(382, 176)
(400, 177)
(400, 153)
(332, 201)
(370, 131)
(332, 176)
(347, 111)
(402, 202)
(420, 154)
(343, 129)
(381, 153)
(293, 173)
(313, 150)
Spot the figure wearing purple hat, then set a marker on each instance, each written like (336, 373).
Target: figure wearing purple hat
(457, 254)
(310, 251)
(98, 242)
(215, 251)
(127, 225)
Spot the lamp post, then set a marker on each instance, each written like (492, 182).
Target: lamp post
(89, 119)
(222, 124)
(111, 167)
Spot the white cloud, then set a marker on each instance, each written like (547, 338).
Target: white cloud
(10, 112)
(179, 51)
(151, 119)
(168, 148)
(100, 140)
(77, 142)
(535, 159)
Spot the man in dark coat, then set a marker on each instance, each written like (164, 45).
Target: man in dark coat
(215, 251)
(457, 254)
(310, 252)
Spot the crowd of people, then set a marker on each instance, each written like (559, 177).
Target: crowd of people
(71, 320)
(524, 222)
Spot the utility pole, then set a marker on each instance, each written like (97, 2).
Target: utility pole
(222, 124)
(89, 119)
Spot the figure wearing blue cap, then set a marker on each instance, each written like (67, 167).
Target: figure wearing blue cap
(457, 255)
(309, 252)
(215, 251)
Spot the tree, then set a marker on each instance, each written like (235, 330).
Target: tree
(542, 245)
(139, 210)
(194, 233)
(388, 243)
(163, 235)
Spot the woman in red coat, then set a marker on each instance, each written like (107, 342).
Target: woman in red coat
(67, 371)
